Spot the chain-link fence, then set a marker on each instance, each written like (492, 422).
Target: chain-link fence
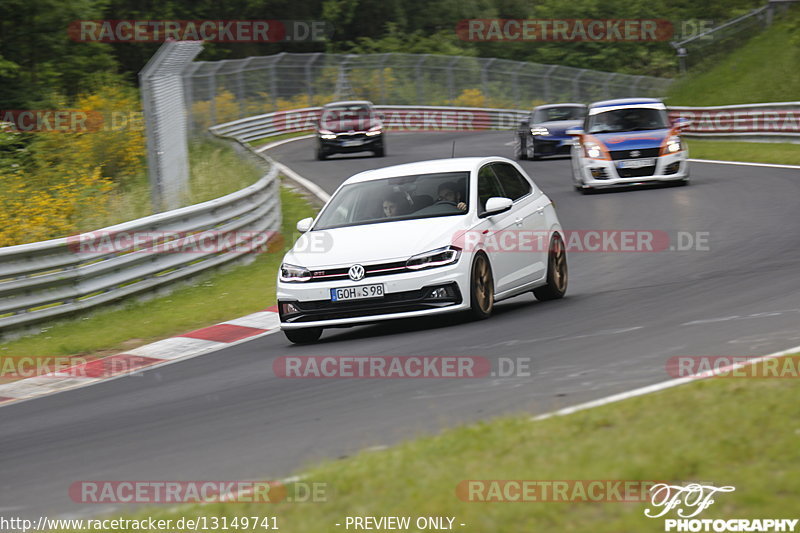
(164, 105)
(708, 46)
(221, 91)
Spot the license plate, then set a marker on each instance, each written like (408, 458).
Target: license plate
(357, 293)
(356, 142)
(636, 163)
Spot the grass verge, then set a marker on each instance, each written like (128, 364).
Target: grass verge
(755, 152)
(762, 70)
(212, 298)
(739, 432)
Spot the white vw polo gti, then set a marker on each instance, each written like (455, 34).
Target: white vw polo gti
(420, 239)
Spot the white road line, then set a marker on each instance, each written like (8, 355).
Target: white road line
(284, 141)
(743, 163)
(312, 187)
(658, 386)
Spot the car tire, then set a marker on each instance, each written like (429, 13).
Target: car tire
(557, 272)
(380, 152)
(303, 336)
(520, 148)
(321, 155)
(531, 151)
(481, 288)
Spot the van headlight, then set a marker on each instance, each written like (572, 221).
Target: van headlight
(434, 258)
(540, 131)
(294, 274)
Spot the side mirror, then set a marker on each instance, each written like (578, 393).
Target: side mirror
(305, 224)
(496, 205)
(380, 116)
(574, 131)
(681, 123)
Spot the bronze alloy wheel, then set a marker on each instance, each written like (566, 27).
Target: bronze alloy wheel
(557, 272)
(481, 287)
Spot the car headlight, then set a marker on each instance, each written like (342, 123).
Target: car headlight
(540, 131)
(434, 258)
(375, 130)
(672, 145)
(594, 150)
(294, 274)
(325, 134)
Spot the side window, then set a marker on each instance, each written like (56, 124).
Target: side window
(513, 183)
(488, 187)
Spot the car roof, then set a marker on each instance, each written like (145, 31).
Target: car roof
(455, 164)
(349, 102)
(625, 102)
(568, 104)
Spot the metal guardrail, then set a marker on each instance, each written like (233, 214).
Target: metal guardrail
(398, 118)
(776, 121)
(779, 121)
(44, 280)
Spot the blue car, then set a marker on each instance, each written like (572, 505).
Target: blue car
(543, 133)
(627, 142)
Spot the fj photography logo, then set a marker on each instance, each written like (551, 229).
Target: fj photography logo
(401, 367)
(204, 491)
(688, 501)
(217, 31)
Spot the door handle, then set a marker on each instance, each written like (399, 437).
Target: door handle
(518, 221)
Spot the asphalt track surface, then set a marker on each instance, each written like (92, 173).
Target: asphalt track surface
(226, 416)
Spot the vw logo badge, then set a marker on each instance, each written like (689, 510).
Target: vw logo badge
(356, 272)
(636, 153)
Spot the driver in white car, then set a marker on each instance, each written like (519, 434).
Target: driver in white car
(449, 192)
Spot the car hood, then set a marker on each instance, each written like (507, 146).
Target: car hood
(374, 243)
(559, 127)
(630, 140)
(348, 124)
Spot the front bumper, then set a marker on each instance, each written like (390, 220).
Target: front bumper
(549, 145)
(596, 173)
(346, 143)
(406, 294)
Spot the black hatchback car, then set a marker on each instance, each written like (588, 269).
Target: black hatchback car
(544, 131)
(348, 127)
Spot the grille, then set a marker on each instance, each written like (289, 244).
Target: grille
(382, 269)
(616, 155)
(636, 172)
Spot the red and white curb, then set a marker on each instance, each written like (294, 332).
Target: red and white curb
(191, 344)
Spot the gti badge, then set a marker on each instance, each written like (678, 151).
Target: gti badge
(356, 272)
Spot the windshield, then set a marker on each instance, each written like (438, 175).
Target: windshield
(397, 198)
(551, 114)
(344, 117)
(629, 119)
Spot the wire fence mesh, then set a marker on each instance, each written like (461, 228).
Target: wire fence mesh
(221, 91)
